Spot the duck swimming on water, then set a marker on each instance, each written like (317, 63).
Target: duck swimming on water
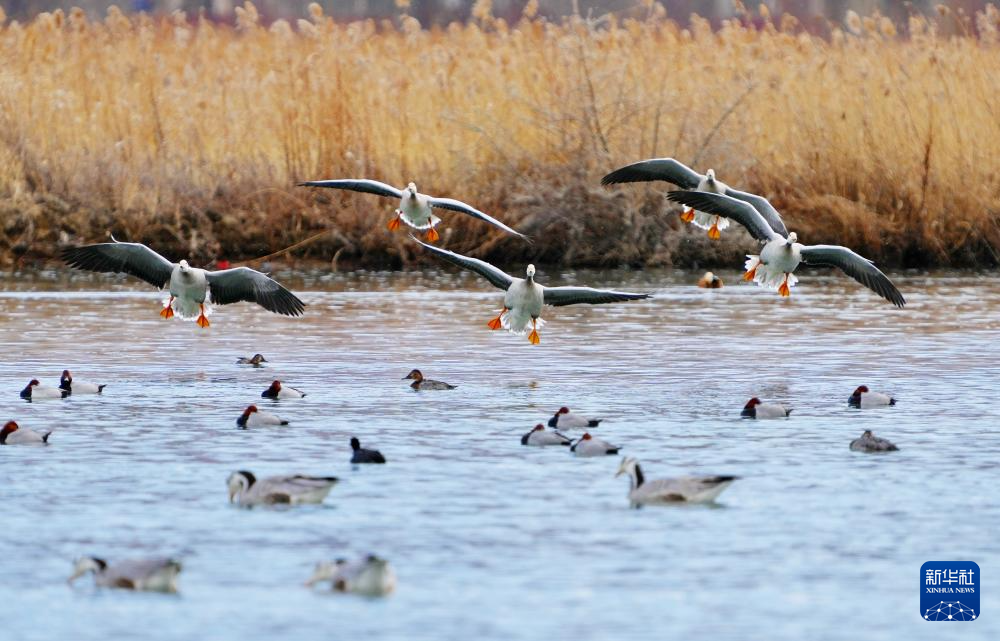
(421, 383)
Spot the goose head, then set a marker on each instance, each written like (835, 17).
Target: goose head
(531, 272)
(184, 266)
(627, 466)
(414, 375)
(792, 239)
(7, 430)
(239, 482)
(87, 564)
(412, 189)
(710, 175)
(325, 571)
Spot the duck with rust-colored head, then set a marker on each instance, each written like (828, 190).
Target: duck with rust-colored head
(420, 383)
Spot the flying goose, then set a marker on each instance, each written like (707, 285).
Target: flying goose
(524, 298)
(157, 575)
(192, 290)
(587, 446)
(782, 254)
(567, 420)
(863, 398)
(421, 383)
(35, 391)
(247, 491)
(868, 442)
(362, 455)
(758, 410)
(683, 489)
(78, 387)
(14, 434)
(678, 173)
(368, 575)
(253, 417)
(540, 437)
(414, 207)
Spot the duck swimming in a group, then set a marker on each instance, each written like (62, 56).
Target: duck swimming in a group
(67, 383)
(254, 360)
(524, 298)
(868, 442)
(253, 417)
(35, 391)
(540, 437)
(588, 446)
(361, 455)
(566, 419)
(156, 575)
(14, 434)
(863, 398)
(368, 575)
(278, 390)
(421, 383)
(415, 209)
(192, 290)
(757, 409)
(683, 489)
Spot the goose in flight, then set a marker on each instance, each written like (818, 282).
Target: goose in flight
(673, 171)
(414, 207)
(782, 254)
(684, 489)
(192, 290)
(524, 298)
(157, 575)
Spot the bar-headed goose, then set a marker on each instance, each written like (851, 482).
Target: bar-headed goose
(362, 455)
(421, 383)
(868, 442)
(757, 409)
(14, 434)
(863, 398)
(683, 489)
(246, 491)
(524, 298)
(278, 390)
(415, 209)
(568, 420)
(156, 575)
(253, 417)
(368, 575)
(192, 290)
(782, 254)
(540, 437)
(254, 360)
(587, 446)
(35, 391)
(67, 383)
(676, 172)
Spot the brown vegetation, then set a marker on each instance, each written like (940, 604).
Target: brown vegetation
(191, 136)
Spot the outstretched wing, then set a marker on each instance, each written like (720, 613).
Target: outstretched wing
(559, 296)
(857, 267)
(496, 277)
(362, 185)
(763, 207)
(245, 284)
(666, 169)
(129, 258)
(742, 212)
(457, 205)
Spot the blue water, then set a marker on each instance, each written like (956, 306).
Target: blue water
(492, 540)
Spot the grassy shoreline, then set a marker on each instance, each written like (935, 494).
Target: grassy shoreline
(190, 136)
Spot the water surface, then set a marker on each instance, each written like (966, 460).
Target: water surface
(492, 540)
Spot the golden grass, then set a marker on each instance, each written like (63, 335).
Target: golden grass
(191, 136)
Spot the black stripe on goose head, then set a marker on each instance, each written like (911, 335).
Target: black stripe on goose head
(101, 563)
(639, 478)
(251, 479)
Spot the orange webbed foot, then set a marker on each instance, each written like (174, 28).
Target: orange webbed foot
(750, 274)
(713, 231)
(394, 223)
(432, 235)
(784, 290)
(203, 321)
(497, 323)
(533, 337)
(687, 215)
(167, 312)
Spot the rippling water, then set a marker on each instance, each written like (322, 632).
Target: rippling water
(492, 540)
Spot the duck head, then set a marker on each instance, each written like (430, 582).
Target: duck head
(414, 375)
(355, 443)
(258, 359)
(87, 564)
(66, 380)
(251, 409)
(7, 430)
(272, 391)
(239, 482)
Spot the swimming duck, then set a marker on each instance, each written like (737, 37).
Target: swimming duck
(35, 391)
(862, 398)
(868, 442)
(414, 208)
(568, 420)
(13, 434)
(368, 575)
(758, 410)
(254, 360)
(421, 383)
(277, 390)
(678, 173)
(361, 455)
(156, 575)
(192, 290)
(710, 281)
(588, 446)
(253, 417)
(247, 491)
(539, 437)
(683, 489)
(524, 297)
(67, 383)
(782, 253)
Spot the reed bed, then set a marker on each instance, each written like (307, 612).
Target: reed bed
(190, 136)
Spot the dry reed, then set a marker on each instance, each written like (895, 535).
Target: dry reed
(190, 135)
